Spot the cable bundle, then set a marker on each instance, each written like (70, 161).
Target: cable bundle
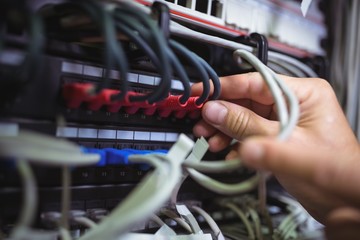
(141, 36)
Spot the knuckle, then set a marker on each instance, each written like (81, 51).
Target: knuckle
(239, 123)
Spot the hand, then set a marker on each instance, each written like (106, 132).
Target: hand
(319, 164)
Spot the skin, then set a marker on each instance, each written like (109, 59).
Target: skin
(319, 164)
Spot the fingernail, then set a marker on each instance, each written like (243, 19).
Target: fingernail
(252, 153)
(215, 113)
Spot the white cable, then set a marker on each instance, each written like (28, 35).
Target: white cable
(210, 221)
(157, 220)
(224, 188)
(149, 195)
(30, 200)
(46, 150)
(243, 218)
(66, 197)
(180, 30)
(268, 78)
(177, 219)
(257, 224)
(214, 166)
(64, 234)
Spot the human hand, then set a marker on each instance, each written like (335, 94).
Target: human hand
(319, 164)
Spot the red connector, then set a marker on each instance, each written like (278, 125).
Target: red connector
(76, 94)
(102, 99)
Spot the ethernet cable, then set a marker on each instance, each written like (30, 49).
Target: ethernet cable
(180, 221)
(180, 30)
(36, 42)
(45, 150)
(30, 200)
(153, 188)
(157, 220)
(199, 150)
(189, 217)
(193, 59)
(140, 41)
(243, 218)
(66, 197)
(224, 188)
(136, 32)
(113, 48)
(159, 42)
(64, 234)
(210, 221)
(214, 166)
(257, 224)
(38, 148)
(276, 85)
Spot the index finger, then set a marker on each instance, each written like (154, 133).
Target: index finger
(247, 86)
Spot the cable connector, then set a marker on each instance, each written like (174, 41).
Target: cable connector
(200, 148)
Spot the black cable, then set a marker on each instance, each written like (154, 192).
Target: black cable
(214, 78)
(194, 60)
(113, 49)
(183, 77)
(160, 44)
(151, 36)
(162, 11)
(117, 52)
(31, 63)
(140, 42)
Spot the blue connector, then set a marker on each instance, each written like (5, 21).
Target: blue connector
(102, 161)
(113, 156)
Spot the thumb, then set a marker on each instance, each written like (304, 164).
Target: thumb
(237, 121)
(279, 157)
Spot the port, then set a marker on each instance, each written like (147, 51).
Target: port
(217, 8)
(202, 6)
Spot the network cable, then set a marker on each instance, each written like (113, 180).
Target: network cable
(210, 221)
(182, 31)
(194, 60)
(30, 200)
(153, 188)
(159, 43)
(240, 213)
(113, 49)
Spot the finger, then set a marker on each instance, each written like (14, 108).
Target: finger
(279, 157)
(266, 111)
(236, 121)
(219, 142)
(203, 129)
(343, 223)
(233, 153)
(252, 86)
(197, 88)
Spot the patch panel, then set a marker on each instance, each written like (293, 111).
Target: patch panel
(113, 134)
(86, 70)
